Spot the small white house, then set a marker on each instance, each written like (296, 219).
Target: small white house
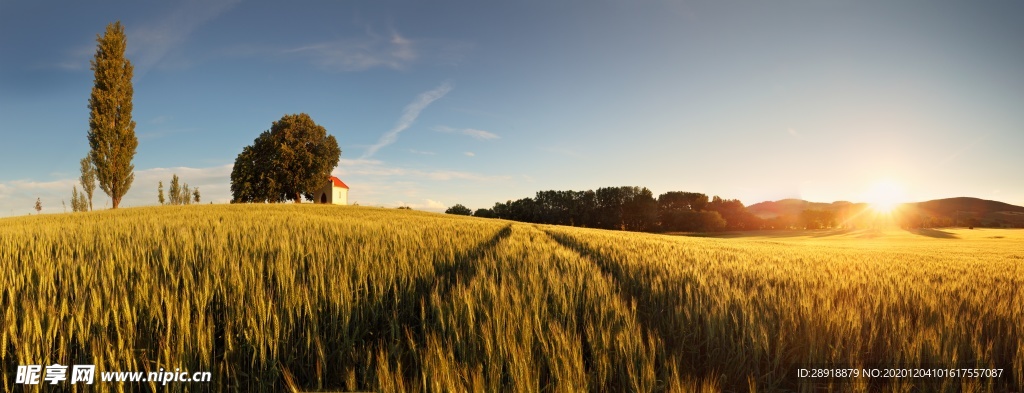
(335, 192)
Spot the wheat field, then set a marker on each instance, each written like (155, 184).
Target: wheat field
(314, 298)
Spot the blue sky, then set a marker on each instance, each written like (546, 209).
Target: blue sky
(437, 103)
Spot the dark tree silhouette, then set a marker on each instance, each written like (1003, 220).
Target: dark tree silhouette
(459, 209)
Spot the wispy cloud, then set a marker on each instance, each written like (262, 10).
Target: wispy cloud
(150, 44)
(359, 54)
(74, 59)
(469, 154)
(161, 119)
(409, 115)
(478, 134)
(426, 153)
(373, 50)
(376, 168)
(792, 132)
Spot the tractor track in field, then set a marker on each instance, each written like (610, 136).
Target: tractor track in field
(464, 266)
(628, 294)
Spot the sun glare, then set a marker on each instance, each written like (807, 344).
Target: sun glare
(885, 196)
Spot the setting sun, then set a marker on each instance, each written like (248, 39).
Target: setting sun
(885, 196)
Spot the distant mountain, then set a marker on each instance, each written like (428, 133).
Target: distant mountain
(961, 211)
(793, 207)
(971, 211)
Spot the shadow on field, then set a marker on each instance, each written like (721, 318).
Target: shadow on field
(775, 233)
(935, 233)
(385, 318)
(463, 267)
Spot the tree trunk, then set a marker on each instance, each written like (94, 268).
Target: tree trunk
(115, 202)
(298, 197)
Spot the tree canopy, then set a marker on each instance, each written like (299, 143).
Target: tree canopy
(88, 179)
(111, 129)
(459, 209)
(294, 158)
(628, 208)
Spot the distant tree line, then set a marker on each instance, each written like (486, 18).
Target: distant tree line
(179, 193)
(636, 209)
(625, 208)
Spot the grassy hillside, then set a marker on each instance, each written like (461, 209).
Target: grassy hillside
(272, 298)
(962, 211)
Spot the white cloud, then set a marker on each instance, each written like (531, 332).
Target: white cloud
(426, 204)
(793, 132)
(469, 154)
(214, 183)
(75, 59)
(360, 54)
(478, 134)
(18, 196)
(392, 51)
(409, 115)
(374, 182)
(376, 168)
(426, 153)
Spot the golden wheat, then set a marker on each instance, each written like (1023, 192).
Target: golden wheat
(285, 297)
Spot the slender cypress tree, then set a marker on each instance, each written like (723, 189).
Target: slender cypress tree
(160, 192)
(111, 129)
(88, 179)
(175, 191)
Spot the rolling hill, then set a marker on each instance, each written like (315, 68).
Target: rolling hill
(960, 211)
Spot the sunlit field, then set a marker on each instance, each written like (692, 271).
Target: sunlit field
(312, 297)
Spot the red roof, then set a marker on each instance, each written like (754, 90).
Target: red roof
(338, 183)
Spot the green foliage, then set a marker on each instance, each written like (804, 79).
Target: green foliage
(185, 198)
(484, 213)
(111, 129)
(160, 192)
(291, 160)
(459, 209)
(79, 202)
(734, 213)
(87, 179)
(175, 191)
(817, 219)
(179, 192)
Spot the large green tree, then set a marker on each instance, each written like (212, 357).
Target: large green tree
(292, 159)
(111, 130)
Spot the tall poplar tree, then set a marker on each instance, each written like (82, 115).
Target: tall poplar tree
(88, 179)
(160, 192)
(111, 129)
